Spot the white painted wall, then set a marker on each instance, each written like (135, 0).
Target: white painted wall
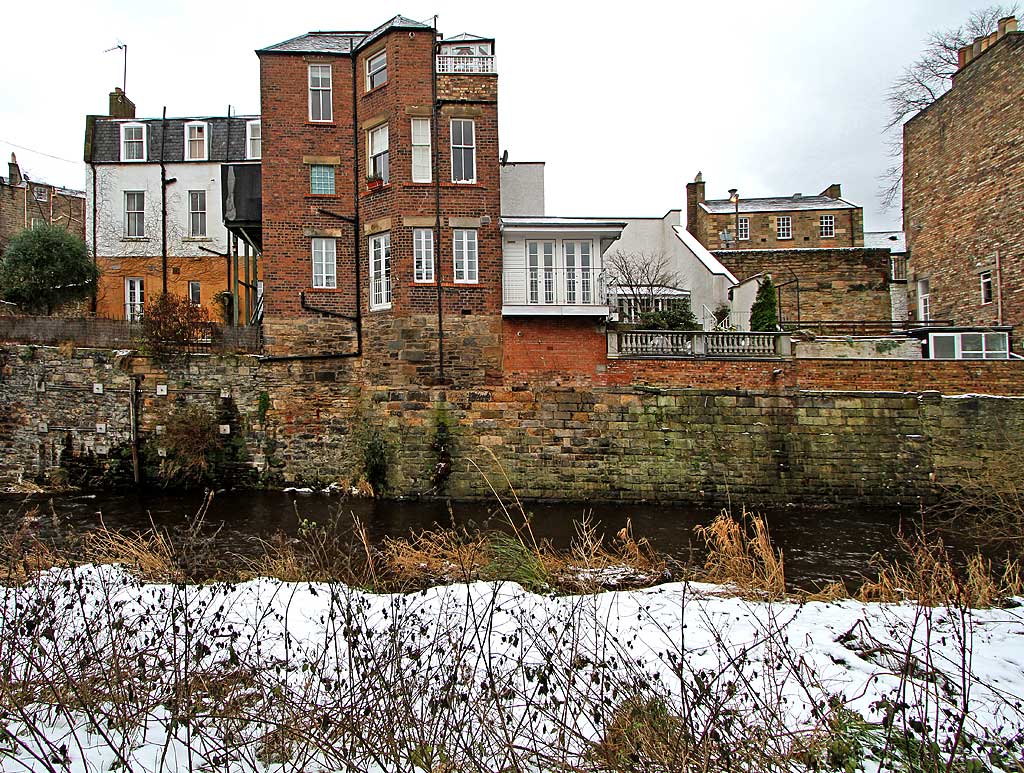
(112, 180)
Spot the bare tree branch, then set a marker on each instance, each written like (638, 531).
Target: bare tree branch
(927, 79)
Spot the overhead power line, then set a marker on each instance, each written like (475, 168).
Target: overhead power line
(39, 152)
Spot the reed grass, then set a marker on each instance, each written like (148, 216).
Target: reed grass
(741, 554)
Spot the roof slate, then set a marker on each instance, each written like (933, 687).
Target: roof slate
(776, 204)
(318, 43)
(397, 22)
(227, 138)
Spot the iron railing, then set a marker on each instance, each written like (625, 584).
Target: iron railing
(863, 327)
(465, 65)
(105, 333)
(658, 344)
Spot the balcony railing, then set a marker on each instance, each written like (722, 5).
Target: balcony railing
(554, 287)
(657, 344)
(465, 65)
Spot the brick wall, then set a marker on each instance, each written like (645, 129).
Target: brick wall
(963, 191)
(302, 422)
(835, 284)
(404, 334)
(19, 207)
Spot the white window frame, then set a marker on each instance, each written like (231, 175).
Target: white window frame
(39, 189)
(134, 297)
(375, 137)
(826, 226)
(924, 300)
(743, 229)
(195, 292)
(423, 254)
(422, 171)
(1000, 351)
(128, 216)
(987, 287)
(319, 90)
(465, 256)
(464, 149)
(578, 262)
(783, 227)
(197, 214)
(205, 139)
(37, 222)
(540, 271)
(324, 253)
(380, 271)
(375, 65)
(125, 141)
(312, 179)
(254, 134)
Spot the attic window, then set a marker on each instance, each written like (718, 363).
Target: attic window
(195, 141)
(39, 193)
(133, 142)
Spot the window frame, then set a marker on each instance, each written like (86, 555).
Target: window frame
(133, 309)
(579, 274)
(312, 180)
(324, 279)
(319, 89)
(987, 287)
(743, 229)
(36, 222)
(924, 300)
(421, 146)
(37, 189)
(249, 125)
(205, 139)
(463, 149)
(372, 158)
(194, 284)
(140, 213)
(788, 221)
(461, 241)
(379, 247)
(193, 212)
(959, 350)
(372, 71)
(142, 142)
(831, 222)
(423, 255)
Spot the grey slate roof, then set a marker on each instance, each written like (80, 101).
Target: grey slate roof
(325, 42)
(465, 36)
(894, 241)
(318, 43)
(776, 204)
(398, 22)
(563, 222)
(227, 138)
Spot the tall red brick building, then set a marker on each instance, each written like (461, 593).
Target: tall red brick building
(963, 191)
(381, 201)
(25, 203)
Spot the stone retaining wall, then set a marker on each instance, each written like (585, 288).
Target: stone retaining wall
(306, 422)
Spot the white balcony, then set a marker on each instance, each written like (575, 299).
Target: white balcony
(668, 344)
(554, 291)
(452, 64)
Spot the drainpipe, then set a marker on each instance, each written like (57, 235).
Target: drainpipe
(163, 200)
(356, 235)
(999, 289)
(436, 131)
(95, 261)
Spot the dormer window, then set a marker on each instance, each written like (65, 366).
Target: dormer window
(195, 141)
(133, 142)
(377, 70)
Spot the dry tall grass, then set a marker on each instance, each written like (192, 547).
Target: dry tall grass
(741, 554)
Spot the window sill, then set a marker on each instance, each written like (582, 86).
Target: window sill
(321, 195)
(188, 160)
(381, 308)
(196, 239)
(320, 123)
(135, 238)
(325, 290)
(449, 184)
(375, 89)
(371, 191)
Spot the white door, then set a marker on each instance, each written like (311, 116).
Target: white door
(134, 298)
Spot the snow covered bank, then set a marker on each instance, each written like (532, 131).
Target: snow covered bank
(103, 671)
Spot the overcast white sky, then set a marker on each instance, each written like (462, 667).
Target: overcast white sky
(625, 101)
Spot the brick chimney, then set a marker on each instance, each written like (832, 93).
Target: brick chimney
(694, 198)
(13, 172)
(120, 105)
(834, 191)
(971, 51)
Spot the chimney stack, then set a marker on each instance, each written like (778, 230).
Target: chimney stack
(13, 172)
(834, 191)
(694, 198)
(120, 105)
(971, 51)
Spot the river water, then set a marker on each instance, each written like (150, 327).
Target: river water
(819, 545)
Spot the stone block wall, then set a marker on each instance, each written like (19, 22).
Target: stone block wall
(307, 421)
